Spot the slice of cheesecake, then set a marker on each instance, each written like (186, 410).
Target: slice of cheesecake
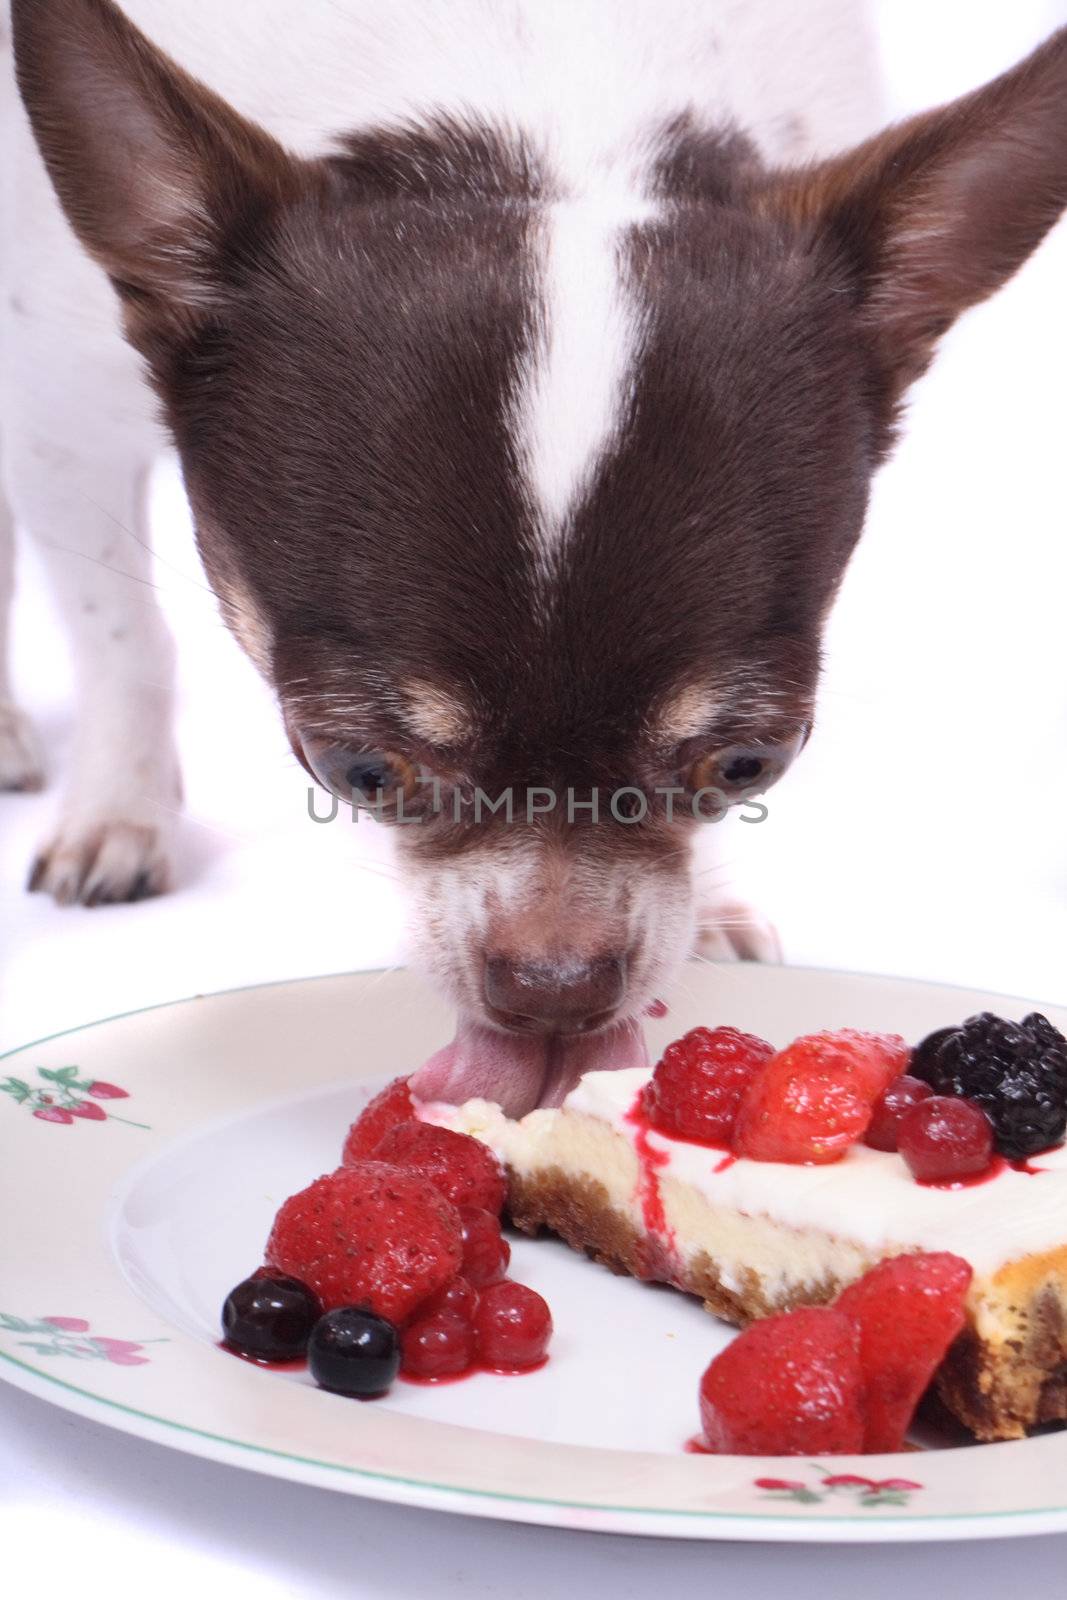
(752, 1237)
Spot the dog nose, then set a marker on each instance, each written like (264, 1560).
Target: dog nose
(554, 996)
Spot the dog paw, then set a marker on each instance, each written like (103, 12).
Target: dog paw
(730, 930)
(21, 770)
(106, 864)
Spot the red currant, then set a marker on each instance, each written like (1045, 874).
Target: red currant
(898, 1099)
(438, 1346)
(944, 1138)
(486, 1253)
(458, 1297)
(512, 1326)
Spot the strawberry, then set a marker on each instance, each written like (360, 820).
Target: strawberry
(368, 1235)
(88, 1110)
(697, 1086)
(790, 1385)
(392, 1105)
(908, 1311)
(464, 1170)
(816, 1097)
(53, 1114)
(107, 1091)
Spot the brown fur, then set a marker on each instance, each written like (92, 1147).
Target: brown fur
(337, 343)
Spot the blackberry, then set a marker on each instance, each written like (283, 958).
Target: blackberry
(1016, 1072)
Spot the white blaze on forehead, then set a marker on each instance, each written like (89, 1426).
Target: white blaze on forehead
(687, 713)
(582, 361)
(435, 714)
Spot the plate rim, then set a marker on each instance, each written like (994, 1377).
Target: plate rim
(361, 972)
(691, 1523)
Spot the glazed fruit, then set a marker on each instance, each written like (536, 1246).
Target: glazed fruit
(1016, 1072)
(790, 1385)
(486, 1253)
(369, 1234)
(883, 1131)
(437, 1346)
(512, 1327)
(392, 1105)
(457, 1296)
(908, 1310)
(697, 1086)
(353, 1351)
(462, 1168)
(944, 1140)
(815, 1098)
(270, 1317)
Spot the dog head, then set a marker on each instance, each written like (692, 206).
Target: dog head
(530, 505)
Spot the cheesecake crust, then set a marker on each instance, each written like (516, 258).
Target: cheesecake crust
(1006, 1373)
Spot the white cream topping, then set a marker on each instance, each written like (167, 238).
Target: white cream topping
(868, 1198)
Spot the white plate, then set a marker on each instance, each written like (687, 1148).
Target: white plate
(130, 1221)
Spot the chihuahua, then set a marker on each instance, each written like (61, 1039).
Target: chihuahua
(528, 362)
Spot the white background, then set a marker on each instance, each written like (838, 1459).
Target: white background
(923, 833)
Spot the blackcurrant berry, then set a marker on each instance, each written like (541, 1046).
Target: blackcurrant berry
(352, 1351)
(270, 1317)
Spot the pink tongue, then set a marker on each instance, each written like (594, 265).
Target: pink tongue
(520, 1071)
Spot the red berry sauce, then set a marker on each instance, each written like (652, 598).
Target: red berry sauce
(657, 1257)
(473, 1371)
(297, 1364)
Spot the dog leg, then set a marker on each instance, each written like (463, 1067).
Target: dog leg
(727, 927)
(732, 930)
(20, 763)
(83, 500)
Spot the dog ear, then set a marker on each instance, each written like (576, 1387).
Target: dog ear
(155, 173)
(936, 213)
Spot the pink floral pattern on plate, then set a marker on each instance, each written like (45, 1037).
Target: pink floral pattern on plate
(64, 1097)
(866, 1491)
(70, 1336)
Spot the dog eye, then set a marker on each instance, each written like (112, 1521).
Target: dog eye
(375, 778)
(742, 769)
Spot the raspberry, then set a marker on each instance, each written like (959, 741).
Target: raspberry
(393, 1104)
(437, 1346)
(885, 1120)
(908, 1309)
(458, 1297)
(486, 1253)
(790, 1385)
(368, 1235)
(462, 1168)
(512, 1327)
(815, 1098)
(698, 1083)
(1016, 1072)
(944, 1140)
